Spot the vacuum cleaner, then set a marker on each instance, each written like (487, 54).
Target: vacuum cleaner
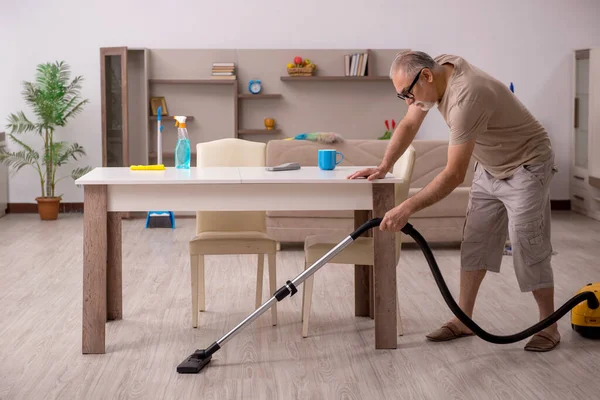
(584, 305)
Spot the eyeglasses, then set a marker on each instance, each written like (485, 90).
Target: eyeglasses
(408, 93)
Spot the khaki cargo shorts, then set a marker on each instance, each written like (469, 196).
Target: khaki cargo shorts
(519, 206)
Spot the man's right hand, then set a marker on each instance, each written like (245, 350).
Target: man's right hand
(369, 173)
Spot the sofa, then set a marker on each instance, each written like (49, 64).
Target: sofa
(441, 223)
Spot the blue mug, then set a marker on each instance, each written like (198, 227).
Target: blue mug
(328, 159)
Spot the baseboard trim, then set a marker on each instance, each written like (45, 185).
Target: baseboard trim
(31, 208)
(560, 205)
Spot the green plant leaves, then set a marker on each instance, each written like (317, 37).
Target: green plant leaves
(79, 172)
(18, 123)
(19, 159)
(62, 151)
(54, 99)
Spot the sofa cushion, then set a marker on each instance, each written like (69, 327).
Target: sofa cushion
(312, 214)
(356, 152)
(431, 159)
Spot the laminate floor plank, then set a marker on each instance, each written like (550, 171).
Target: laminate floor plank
(41, 305)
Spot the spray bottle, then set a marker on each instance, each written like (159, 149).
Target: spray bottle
(182, 151)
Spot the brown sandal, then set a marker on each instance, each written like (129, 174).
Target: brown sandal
(448, 331)
(542, 341)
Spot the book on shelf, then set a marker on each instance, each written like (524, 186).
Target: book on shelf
(356, 64)
(224, 70)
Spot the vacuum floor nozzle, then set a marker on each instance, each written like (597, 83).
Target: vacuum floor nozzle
(194, 363)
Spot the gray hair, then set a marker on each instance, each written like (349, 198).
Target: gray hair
(410, 62)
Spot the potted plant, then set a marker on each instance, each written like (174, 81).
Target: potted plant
(54, 100)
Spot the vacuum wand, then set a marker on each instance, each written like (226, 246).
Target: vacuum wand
(200, 358)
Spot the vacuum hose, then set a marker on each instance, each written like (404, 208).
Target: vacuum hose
(408, 229)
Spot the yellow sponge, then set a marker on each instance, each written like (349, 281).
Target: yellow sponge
(147, 167)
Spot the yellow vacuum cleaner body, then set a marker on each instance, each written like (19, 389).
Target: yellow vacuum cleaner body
(584, 320)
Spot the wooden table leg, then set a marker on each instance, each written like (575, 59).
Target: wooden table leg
(384, 271)
(362, 293)
(114, 276)
(94, 269)
(371, 294)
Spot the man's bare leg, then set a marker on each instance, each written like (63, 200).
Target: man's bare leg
(545, 301)
(549, 338)
(470, 281)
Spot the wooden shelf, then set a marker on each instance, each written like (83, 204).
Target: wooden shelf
(259, 96)
(171, 117)
(166, 154)
(336, 78)
(257, 131)
(195, 81)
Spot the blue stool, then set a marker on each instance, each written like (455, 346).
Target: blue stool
(160, 219)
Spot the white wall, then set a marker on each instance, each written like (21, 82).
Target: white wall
(526, 42)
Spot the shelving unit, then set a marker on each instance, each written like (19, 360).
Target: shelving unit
(318, 78)
(585, 139)
(258, 131)
(194, 81)
(259, 96)
(171, 117)
(167, 154)
(220, 108)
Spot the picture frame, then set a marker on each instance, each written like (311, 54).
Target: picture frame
(156, 102)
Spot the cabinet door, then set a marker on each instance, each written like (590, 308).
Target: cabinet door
(594, 119)
(582, 102)
(115, 122)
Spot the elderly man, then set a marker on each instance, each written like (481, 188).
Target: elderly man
(510, 189)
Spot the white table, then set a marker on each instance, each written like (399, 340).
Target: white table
(111, 191)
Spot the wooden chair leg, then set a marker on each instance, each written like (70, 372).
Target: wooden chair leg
(306, 302)
(201, 285)
(273, 284)
(399, 316)
(259, 279)
(194, 281)
(303, 290)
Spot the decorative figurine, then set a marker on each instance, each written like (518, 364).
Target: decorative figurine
(269, 123)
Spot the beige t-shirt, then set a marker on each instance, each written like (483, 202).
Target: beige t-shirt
(477, 105)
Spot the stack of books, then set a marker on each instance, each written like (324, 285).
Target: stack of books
(356, 64)
(223, 70)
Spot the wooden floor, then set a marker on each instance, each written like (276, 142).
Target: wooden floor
(40, 333)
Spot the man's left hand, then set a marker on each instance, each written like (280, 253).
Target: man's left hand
(395, 219)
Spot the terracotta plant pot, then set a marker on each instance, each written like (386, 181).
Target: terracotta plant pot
(48, 207)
